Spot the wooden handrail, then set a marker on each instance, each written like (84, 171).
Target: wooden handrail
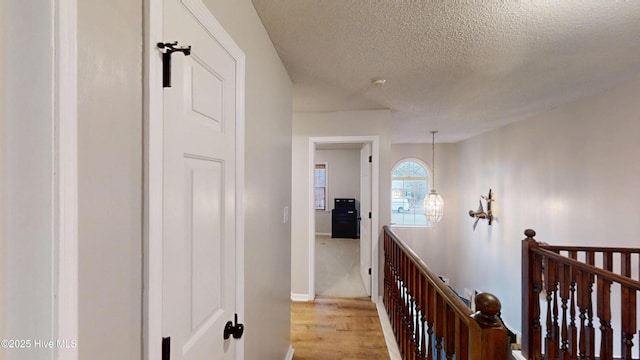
(601, 273)
(602, 249)
(429, 320)
(570, 311)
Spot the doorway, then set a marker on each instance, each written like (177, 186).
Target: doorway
(338, 208)
(350, 261)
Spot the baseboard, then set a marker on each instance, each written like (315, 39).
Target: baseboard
(517, 355)
(323, 234)
(387, 330)
(300, 297)
(289, 355)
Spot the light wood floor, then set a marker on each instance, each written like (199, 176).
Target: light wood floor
(344, 329)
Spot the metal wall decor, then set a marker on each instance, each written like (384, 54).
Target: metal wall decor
(480, 213)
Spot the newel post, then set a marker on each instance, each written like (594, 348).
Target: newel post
(531, 287)
(495, 342)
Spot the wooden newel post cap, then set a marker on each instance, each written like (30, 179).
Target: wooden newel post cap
(488, 307)
(529, 233)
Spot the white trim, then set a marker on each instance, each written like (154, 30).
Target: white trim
(152, 312)
(301, 297)
(240, 58)
(375, 205)
(375, 216)
(312, 223)
(387, 330)
(66, 144)
(289, 355)
(323, 234)
(326, 186)
(153, 170)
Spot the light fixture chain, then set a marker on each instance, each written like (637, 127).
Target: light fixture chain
(433, 158)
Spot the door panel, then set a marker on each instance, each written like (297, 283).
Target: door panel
(206, 93)
(204, 179)
(199, 194)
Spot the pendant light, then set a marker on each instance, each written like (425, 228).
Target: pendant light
(433, 203)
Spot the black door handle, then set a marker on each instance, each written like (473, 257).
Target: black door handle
(230, 329)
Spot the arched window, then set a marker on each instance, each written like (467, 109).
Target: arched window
(410, 183)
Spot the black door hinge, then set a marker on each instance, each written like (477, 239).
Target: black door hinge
(369, 271)
(166, 348)
(370, 158)
(369, 214)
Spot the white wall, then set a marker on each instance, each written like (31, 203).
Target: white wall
(343, 169)
(432, 244)
(110, 178)
(110, 117)
(328, 124)
(267, 182)
(571, 174)
(27, 177)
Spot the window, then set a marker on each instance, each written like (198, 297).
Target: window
(320, 181)
(409, 186)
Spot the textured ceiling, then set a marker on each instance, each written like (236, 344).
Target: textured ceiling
(460, 67)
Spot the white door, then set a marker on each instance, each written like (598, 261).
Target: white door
(365, 223)
(199, 194)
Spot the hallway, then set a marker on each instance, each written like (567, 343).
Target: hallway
(327, 329)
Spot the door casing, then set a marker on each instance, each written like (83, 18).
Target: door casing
(365, 222)
(66, 304)
(375, 200)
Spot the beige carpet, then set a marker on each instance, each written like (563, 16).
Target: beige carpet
(337, 268)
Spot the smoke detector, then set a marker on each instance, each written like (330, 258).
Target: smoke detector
(378, 82)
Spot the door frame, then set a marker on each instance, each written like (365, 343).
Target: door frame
(366, 160)
(65, 257)
(375, 207)
(153, 171)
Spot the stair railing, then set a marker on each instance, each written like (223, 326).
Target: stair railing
(578, 287)
(429, 320)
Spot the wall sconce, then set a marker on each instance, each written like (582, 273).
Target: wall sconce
(480, 213)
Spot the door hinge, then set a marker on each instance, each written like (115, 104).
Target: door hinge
(369, 214)
(370, 158)
(166, 348)
(369, 271)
